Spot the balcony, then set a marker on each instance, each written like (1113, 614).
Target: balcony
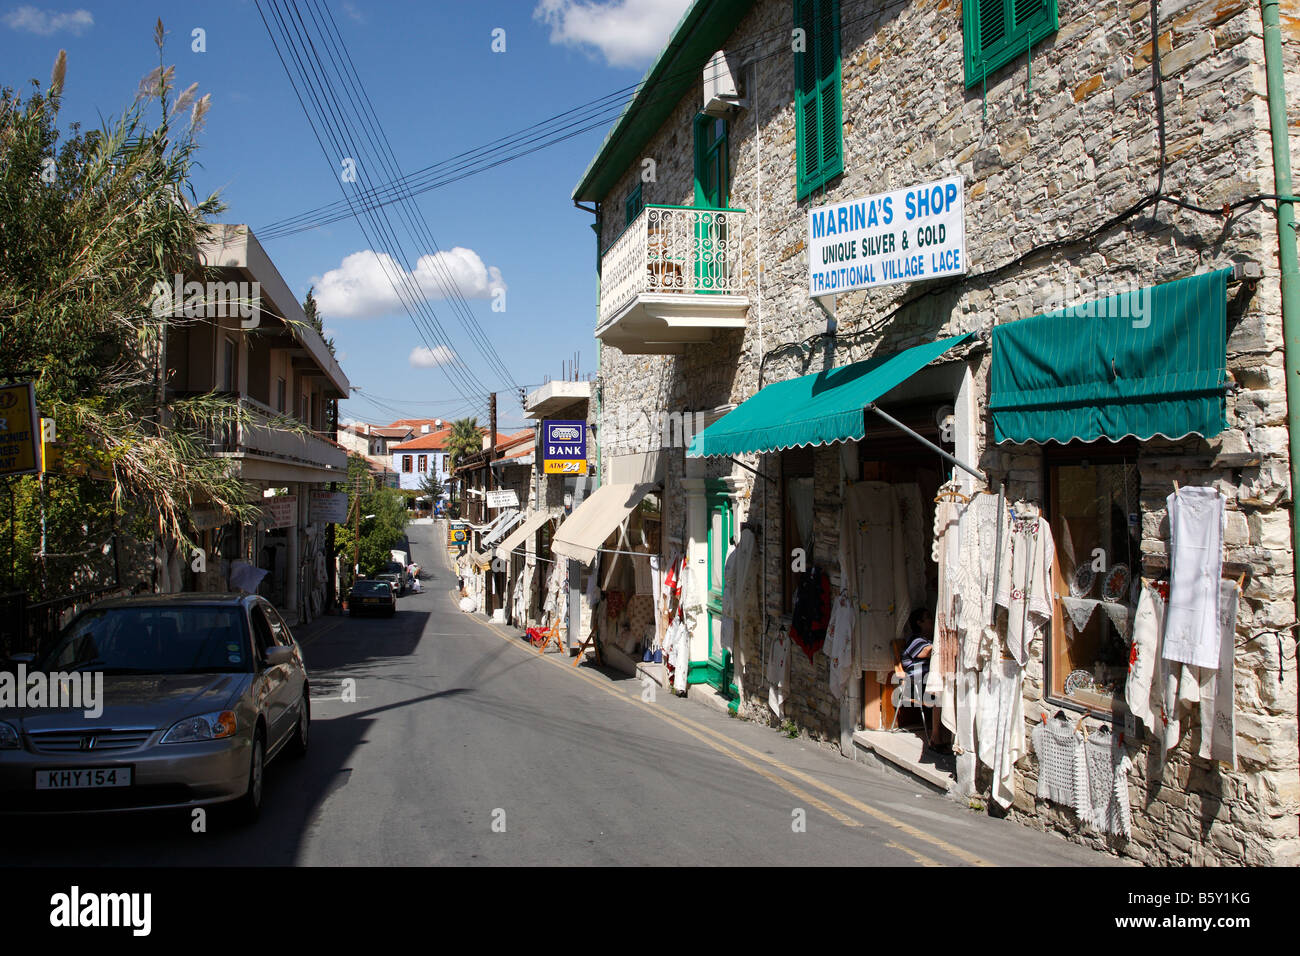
(674, 277)
(266, 453)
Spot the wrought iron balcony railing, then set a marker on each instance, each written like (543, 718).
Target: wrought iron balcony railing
(674, 250)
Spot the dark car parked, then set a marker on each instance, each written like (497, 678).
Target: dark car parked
(372, 595)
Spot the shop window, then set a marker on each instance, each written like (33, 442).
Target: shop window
(995, 32)
(818, 96)
(796, 519)
(1093, 503)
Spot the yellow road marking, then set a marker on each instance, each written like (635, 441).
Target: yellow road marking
(689, 726)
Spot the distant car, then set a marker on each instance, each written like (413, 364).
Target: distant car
(393, 580)
(200, 693)
(372, 595)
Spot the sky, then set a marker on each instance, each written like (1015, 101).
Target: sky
(510, 236)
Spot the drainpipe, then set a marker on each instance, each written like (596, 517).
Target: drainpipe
(1286, 248)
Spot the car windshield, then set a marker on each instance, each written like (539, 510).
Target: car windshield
(146, 639)
(370, 587)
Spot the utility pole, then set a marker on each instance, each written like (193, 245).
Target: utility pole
(492, 437)
(356, 531)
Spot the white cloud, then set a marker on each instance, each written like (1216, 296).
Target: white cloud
(351, 10)
(424, 357)
(46, 22)
(362, 286)
(625, 32)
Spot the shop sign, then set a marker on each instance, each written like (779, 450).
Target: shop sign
(907, 235)
(206, 519)
(458, 533)
(20, 450)
(564, 447)
(502, 499)
(280, 511)
(328, 507)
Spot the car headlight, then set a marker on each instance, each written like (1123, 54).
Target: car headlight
(212, 726)
(8, 737)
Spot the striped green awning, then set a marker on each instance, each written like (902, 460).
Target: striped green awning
(814, 409)
(1143, 363)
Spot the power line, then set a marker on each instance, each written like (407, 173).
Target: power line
(417, 224)
(372, 221)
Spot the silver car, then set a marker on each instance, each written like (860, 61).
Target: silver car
(200, 693)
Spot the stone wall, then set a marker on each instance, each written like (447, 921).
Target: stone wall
(1048, 153)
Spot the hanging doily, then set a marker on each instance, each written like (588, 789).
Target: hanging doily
(1079, 609)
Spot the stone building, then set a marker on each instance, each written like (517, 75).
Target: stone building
(1091, 174)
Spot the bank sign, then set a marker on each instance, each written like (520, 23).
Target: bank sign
(902, 236)
(564, 447)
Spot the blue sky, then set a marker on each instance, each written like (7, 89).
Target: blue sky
(438, 89)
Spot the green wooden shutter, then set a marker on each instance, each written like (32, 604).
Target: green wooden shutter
(995, 32)
(632, 205)
(819, 134)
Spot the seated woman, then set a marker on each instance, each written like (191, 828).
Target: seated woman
(915, 659)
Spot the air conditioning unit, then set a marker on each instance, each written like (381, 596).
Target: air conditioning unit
(722, 84)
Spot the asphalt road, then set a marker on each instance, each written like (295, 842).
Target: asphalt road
(464, 746)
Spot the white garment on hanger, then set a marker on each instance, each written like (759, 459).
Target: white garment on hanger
(973, 584)
(1025, 577)
(1000, 725)
(1142, 690)
(873, 571)
(839, 645)
(913, 533)
(1218, 724)
(1196, 519)
(778, 672)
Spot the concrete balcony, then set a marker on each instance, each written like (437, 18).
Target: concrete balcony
(271, 454)
(674, 277)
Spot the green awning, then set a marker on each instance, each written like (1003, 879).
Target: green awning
(1143, 363)
(814, 409)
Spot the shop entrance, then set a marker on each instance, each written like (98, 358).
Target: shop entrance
(716, 668)
(895, 458)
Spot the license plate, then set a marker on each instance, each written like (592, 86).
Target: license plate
(375, 601)
(87, 778)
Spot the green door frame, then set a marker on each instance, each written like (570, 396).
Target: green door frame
(717, 668)
(712, 187)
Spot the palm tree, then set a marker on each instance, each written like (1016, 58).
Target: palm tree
(465, 439)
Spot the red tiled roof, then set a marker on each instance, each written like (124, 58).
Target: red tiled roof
(434, 441)
(391, 431)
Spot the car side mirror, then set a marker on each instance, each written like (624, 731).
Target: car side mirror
(278, 655)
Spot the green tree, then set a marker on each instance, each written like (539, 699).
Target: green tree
(382, 515)
(465, 439)
(89, 225)
(314, 317)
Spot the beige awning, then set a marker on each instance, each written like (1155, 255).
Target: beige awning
(520, 534)
(581, 536)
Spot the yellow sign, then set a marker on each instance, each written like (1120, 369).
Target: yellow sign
(457, 534)
(572, 467)
(20, 451)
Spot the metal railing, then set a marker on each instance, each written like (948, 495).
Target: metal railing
(674, 249)
(261, 437)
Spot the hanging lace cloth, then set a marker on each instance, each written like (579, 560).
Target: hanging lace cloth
(1079, 610)
(1025, 585)
(946, 551)
(1121, 615)
(1061, 763)
(1108, 768)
